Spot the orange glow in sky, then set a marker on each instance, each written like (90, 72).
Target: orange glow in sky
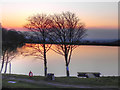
(98, 15)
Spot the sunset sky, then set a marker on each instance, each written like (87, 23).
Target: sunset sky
(96, 15)
(101, 21)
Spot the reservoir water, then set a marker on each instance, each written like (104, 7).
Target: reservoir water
(103, 59)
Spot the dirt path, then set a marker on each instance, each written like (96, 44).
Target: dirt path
(56, 84)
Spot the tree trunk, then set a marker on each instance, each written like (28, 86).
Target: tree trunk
(67, 71)
(6, 64)
(2, 64)
(9, 67)
(67, 64)
(6, 67)
(45, 61)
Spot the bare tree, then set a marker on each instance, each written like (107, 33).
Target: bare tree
(39, 25)
(67, 31)
(9, 56)
(4, 47)
(11, 40)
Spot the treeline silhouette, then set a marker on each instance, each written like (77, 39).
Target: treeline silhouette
(83, 42)
(11, 40)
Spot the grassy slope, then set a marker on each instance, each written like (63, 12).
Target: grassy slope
(21, 84)
(103, 81)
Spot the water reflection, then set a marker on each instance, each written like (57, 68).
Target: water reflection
(102, 59)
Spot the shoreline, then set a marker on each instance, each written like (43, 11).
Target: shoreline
(92, 44)
(60, 76)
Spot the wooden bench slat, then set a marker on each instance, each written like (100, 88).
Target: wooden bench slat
(89, 74)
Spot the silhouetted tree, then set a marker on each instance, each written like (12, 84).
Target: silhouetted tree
(11, 40)
(67, 30)
(4, 47)
(9, 56)
(40, 24)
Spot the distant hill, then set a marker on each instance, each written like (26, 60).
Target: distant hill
(31, 38)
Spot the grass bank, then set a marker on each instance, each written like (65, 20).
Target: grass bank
(112, 82)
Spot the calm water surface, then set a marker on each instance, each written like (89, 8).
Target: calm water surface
(103, 59)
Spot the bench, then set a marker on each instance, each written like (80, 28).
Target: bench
(89, 74)
(50, 76)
